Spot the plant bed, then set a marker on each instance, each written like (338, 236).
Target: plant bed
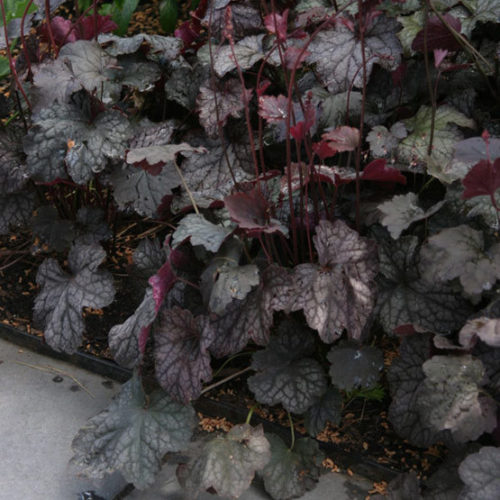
(275, 208)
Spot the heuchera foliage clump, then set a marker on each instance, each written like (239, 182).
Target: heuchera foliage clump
(317, 173)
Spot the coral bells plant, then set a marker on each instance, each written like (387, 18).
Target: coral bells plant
(318, 171)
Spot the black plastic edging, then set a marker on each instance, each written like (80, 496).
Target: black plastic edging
(210, 407)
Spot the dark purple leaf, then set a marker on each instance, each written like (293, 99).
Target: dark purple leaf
(342, 139)
(292, 472)
(62, 296)
(57, 233)
(252, 211)
(327, 409)
(483, 179)
(338, 293)
(181, 353)
(15, 210)
(277, 24)
(245, 18)
(355, 366)
(162, 282)
(435, 307)
(284, 374)
(438, 35)
(405, 377)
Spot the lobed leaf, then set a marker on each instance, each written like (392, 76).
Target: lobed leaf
(182, 360)
(285, 375)
(434, 307)
(228, 463)
(449, 397)
(216, 104)
(337, 53)
(327, 409)
(291, 473)
(402, 210)
(123, 339)
(481, 474)
(405, 376)
(353, 366)
(338, 293)
(133, 434)
(62, 296)
(252, 317)
(201, 232)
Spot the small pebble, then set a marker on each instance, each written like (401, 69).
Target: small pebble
(74, 388)
(57, 379)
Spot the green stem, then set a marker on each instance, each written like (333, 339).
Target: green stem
(250, 413)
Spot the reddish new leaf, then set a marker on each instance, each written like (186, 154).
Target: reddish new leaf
(482, 179)
(342, 138)
(438, 35)
(295, 56)
(377, 170)
(252, 211)
(273, 109)
(181, 353)
(91, 26)
(277, 24)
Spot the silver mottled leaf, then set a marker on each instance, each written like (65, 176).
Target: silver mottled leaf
(228, 463)
(208, 175)
(338, 293)
(62, 296)
(449, 397)
(337, 53)
(123, 339)
(201, 232)
(481, 474)
(181, 353)
(133, 434)
(284, 375)
(402, 210)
